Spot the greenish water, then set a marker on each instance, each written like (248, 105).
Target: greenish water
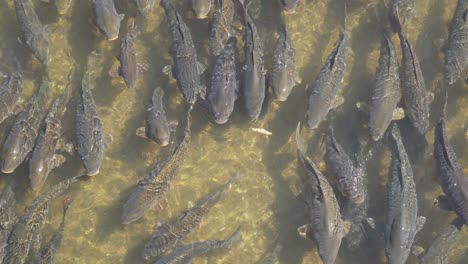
(265, 201)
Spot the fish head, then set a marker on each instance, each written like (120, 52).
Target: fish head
(63, 6)
(354, 187)
(13, 154)
(42, 50)
(200, 8)
(281, 86)
(37, 173)
(289, 6)
(220, 108)
(163, 136)
(111, 25)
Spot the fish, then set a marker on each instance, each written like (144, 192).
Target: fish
(21, 138)
(186, 253)
(253, 70)
(168, 235)
(224, 90)
(43, 158)
(90, 143)
(128, 62)
(401, 11)
(415, 96)
(63, 6)
(8, 216)
(449, 170)
(152, 190)
(283, 72)
(402, 220)
(456, 54)
(157, 127)
(27, 230)
(440, 247)
(289, 6)
(144, 6)
(10, 92)
(350, 179)
(106, 18)
(200, 8)
(33, 33)
(387, 90)
(326, 226)
(221, 25)
(323, 96)
(48, 251)
(187, 69)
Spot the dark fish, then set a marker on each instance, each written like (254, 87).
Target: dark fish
(43, 159)
(223, 90)
(456, 55)
(152, 190)
(47, 253)
(325, 226)
(128, 62)
(63, 6)
(442, 244)
(350, 179)
(283, 73)
(187, 70)
(356, 214)
(144, 6)
(8, 216)
(10, 92)
(451, 175)
(201, 8)
(387, 92)
(220, 27)
(107, 18)
(28, 227)
(178, 229)
(402, 221)
(185, 253)
(322, 97)
(89, 137)
(253, 76)
(34, 34)
(289, 6)
(415, 95)
(22, 136)
(157, 127)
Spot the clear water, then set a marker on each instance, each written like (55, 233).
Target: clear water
(265, 201)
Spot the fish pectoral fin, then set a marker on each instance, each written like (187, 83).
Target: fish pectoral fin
(362, 106)
(169, 71)
(398, 113)
(141, 132)
(58, 160)
(201, 67)
(298, 79)
(443, 203)
(305, 232)
(114, 72)
(107, 140)
(68, 147)
(142, 67)
(420, 222)
(339, 100)
(430, 97)
(202, 92)
(173, 125)
(345, 227)
(163, 204)
(417, 251)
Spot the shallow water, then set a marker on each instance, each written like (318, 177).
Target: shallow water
(264, 202)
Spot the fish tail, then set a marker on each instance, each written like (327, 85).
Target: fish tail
(301, 147)
(444, 109)
(158, 93)
(233, 238)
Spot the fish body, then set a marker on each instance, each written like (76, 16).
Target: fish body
(157, 127)
(128, 61)
(283, 72)
(177, 230)
(47, 253)
(43, 159)
(63, 6)
(220, 28)
(387, 91)
(350, 179)
(152, 190)
(456, 55)
(186, 70)
(185, 253)
(355, 214)
(144, 6)
(415, 95)
(253, 71)
(30, 224)
(402, 221)
(324, 93)
(8, 217)
(107, 19)
(10, 92)
(200, 8)
(325, 226)
(22, 137)
(442, 244)
(33, 33)
(451, 175)
(89, 136)
(223, 90)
